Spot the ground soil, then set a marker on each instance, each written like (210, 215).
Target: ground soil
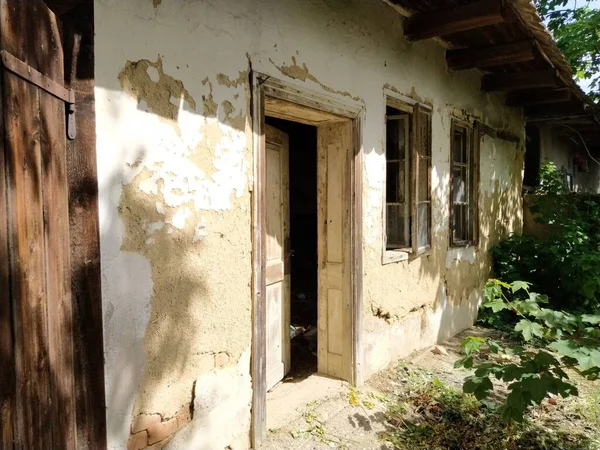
(347, 418)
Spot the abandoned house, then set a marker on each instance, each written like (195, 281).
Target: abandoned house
(207, 199)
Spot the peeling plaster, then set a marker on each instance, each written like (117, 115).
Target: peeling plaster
(163, 95)
(175, 163)
(302, 73)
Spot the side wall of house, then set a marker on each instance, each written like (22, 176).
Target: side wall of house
(556, 147)
(175, 176)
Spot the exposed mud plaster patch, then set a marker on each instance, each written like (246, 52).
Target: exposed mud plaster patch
(302, 73)
(224, 80)
(220, 397)
(210, 106)
(156, 3)
(159, 95)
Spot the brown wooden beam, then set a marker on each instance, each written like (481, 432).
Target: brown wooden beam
(454, 19)
(519, 80)
(555, 110)
(538, 97)
(495, 55)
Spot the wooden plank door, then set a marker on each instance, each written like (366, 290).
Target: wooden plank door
(38, 408)
(334, 143)
(277, 256)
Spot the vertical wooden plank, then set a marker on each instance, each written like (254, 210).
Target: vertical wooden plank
(50, 60)
(78, 38)
(7, 368)
(451, 186)
(58, 282)
(345, 137)
(33, 413)
(259, 382)
(356, 251)
(322, 340)
(476, 176)
(415, 144)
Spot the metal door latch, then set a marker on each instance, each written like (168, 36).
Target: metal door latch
(28, 73)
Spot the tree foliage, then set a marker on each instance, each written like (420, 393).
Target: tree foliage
(576, 29)
(564, 341)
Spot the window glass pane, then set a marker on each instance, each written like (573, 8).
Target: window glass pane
(422, 232)
(459, 185)
(395, 139)
(397, 232)
(424, 191)
(392, 182)
(459, 147)
(458, 223)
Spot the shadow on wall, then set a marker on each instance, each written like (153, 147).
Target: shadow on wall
(175, 229)
(462, 272)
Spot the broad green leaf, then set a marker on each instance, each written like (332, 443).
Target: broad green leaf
(472, 344)
(495, 305)
(591, 319)
(493, 281)
(519, 285)
(527, 307)
(538, 298)
(529, 329)
(563, 347)
(478, 386)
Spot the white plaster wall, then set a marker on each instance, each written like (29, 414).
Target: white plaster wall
(195, 167)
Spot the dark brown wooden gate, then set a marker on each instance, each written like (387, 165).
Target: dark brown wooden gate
(45, 386)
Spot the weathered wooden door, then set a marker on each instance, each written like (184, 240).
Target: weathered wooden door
(37, 401)
(277, 255)
(334, 147)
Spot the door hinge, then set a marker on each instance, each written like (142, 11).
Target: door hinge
(28, 73)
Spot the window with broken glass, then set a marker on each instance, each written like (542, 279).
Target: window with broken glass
(464, 173)
(408, 180)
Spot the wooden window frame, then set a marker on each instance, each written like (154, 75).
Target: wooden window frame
(414, 158)
(471, 225)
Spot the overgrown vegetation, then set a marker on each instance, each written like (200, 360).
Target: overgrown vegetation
(563, 341)
(576, 28)
(428, 413)
(564, 263)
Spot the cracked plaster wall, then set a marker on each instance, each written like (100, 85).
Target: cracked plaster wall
(175, 171)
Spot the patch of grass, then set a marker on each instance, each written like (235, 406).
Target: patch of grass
(427, 414)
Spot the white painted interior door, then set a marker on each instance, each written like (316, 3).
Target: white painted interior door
(277, 207)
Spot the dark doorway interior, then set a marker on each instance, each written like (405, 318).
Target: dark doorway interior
(532, 158)
(303, 245)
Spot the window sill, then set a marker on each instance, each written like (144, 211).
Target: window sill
(394, 256)
(464, 245)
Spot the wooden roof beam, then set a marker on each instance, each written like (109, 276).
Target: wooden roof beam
(495, 55)
(538, 97)
(519, 81)
(562, 110)
(454, 19)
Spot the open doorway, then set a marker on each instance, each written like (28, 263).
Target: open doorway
(300, 136)
(302, 163)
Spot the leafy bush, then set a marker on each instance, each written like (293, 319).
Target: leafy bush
(551, 180)
(567, 341)
(565, 265)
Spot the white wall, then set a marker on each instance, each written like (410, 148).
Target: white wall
(174, 167)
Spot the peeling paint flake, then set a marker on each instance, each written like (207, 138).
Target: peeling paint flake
(146, 81)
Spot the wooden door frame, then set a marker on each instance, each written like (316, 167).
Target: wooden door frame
(266, 87)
